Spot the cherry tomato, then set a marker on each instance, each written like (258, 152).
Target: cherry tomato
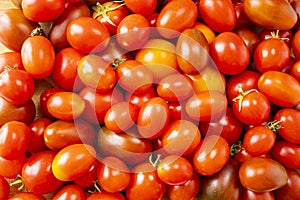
(71, 191)
(103, 195)
(139, 7)
(295, 44)
(290, 190)
(139, 99)
(284, 35)
(295, 71)
(250, 38)
(12, 167)
(26, 196)
(44, 97)
(242, 21)
(250, 195)
(4, 188)
(88, 180)
(11, 59)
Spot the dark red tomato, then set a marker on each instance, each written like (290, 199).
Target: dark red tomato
(65, 105)
(16, 86)
(96, 73)
(178, 165)
(141, 7)
(26, 196)
(12, 167)
(250, 195)
(88, 179)
(290, 191)
(87, 35)
(98, 103)
(37, 128)
(153, 118)
(113, 174)
(133, 32)
(271, 55)
(259, 140)
(250, 38)
(139, 99)
(223, 185)
(38, 56)
(275, 86)
(181, 138)
(289, 121)
(14, 139)
(206, 105)
(42, 181)
(177, 112)
(295, 44)
(43, 11)
(121, 116)
(11, 59)
(57, 34)
(262, 174)
(242, 21)
(44, 97)
(61, 133)
(110, 14)
(71, 191)
(295, 71)
(228, 126)
(103, 195)
(218, 15)
(211, 155)
(15, 28)
(65, 164)
(129, 146)
(233, 57)
(188, 190)
(247, 109)
(64, 74)
(169, 21)
(284, 35)
(144, 177)
(4, 188)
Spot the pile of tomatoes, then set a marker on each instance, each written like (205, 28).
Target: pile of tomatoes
(150, 99)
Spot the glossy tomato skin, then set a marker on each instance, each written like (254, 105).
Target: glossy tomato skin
(249, 37)
(295, 44)
(250, 195)
(295, 71)
(88, 180)
(11, 59)
(103, 195)
(266, 174)
(290, 190)
(139, 99)
(143, 8)
(218, 15)
(242, 21)
(285, 35)
(4, 191)
(271, 85)
(26, 196)
(70, 191)
(44, 97)
(10, 168)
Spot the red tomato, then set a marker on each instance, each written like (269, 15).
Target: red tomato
(139, 99)
(295, 44)
(141, 7)
(290, 190)
(11, 59)
(250, 195)
(103, 195)
(295, 71)
(242, 21)
(88, 180)
(26, 196)
(284, 35)
(12, 167)
(250, 38)
(4, 188)
(71, 191)
(44, 97)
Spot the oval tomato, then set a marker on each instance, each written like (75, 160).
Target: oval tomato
(290, 190)
(103, 195)
(250, 195)
(26, 196)
(44, 97)
(70, 191)
(88, 180)
(12, 60)
(250, 38)
(11, 168)
(141, 7)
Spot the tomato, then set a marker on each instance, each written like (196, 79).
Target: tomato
(96, 73)
(242, 21)
(222, 185)
(43, 11)
(218, 15)
(153, 118)
(250, 195)
(169, 21)
(87, 35)
(290, 190)
(230, 53)
(289, 121)
(103, 195)
(206, 30)
(61, 133)
(88, 179)
(192, 51)
(113, 174)
(139, 7)
(295, 44)
(70, 191)
(15, 28)
(16, 86)
(262, 174)
(26, 196)
(44, 97)
(272, 83)
(65, 164)
(12, 167)
(11, 59)
(14, 139)
(284, 35)
(295, 71)
(38, 56)
(211, 155)
(64, 74)
(65, 105)
(57, 33)
(144, 177)
(139, 99)
(206, 106)
(181, 138)
(133, 32)
(4, 188)
(250, 38)
(267, 14)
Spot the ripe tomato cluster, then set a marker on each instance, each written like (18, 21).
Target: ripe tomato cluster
(156, 99)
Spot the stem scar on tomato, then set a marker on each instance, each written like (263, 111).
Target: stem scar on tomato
(241, 96)
(276, 35)
(274, 125)
(102, 10)
(18, 181)
(236, 148)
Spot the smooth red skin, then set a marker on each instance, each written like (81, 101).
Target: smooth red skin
(177, 112)
(103, 195)
(271, 85)
(61, 133)
(228, 126)
(12, 59)
(26, 196)
(11, 168)
(42, 181)
(71, 191)
(87, 180)
(43, 11)
(286, 35)
(242, 21)
(57, 34)
(16, 86)
(139, 99)
(44, 97)
(249, 37)
(144, 177)
(14, 137)
(92, 36)
(37, 128)
(291, 190)
(233, 57)
(64, 74)
(139, 7)
(250, 195)
(38, 56)
(296, 45)
(15, 28)
(4, 188)
(218, 15)
(295, 71)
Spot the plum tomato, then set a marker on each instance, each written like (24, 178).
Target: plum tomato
(290, 190)
(26, 196)
(11, 59)
(70, 191)
(11, 168)
(141, 7)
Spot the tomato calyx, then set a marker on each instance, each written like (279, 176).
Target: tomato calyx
(241, 96)
(155, 162)
(18, 181)
(276, 35)
(117, 61)
(38, 31)
(103, 10)
(96, 187)
(236, 148)
(274, 125)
